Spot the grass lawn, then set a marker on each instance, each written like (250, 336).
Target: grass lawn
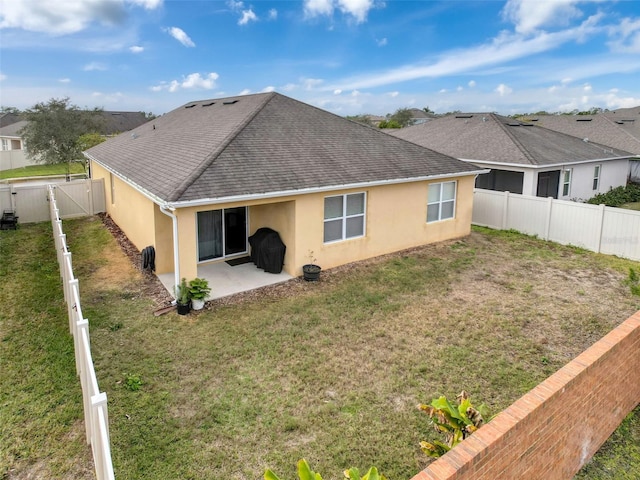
(631, 206)
(42, 170)
(331, 372)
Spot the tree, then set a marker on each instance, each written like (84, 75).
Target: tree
(14, 110)
(363, 119)
(54, 129)
(402, 117)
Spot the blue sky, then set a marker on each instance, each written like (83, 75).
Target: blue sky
(346, 56)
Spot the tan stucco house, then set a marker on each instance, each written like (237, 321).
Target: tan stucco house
(196, 182)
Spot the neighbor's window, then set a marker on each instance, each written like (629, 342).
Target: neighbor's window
(5, 144)
(596, 177)
(566, 183)
(441, 201)
(344, 217)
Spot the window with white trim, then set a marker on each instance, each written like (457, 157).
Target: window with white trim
(566, 182)
(596, 177)
(441, 201)
(344, 217)
(5, 144)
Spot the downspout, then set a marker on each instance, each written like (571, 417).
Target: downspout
(167, 210)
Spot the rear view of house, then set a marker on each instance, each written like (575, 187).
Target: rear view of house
(197, 182)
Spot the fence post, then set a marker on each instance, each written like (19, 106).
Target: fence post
(547, 226)
(85, 383)
(70, 304)
(600, 227)
(505, 211)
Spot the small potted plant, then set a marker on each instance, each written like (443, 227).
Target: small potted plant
(183, 301)
(311, 271)
(198, 291)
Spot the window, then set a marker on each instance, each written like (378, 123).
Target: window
(222, 233)
(596, 177)
(566, 182)
(441, 201)
(5, 144)
(344, 217)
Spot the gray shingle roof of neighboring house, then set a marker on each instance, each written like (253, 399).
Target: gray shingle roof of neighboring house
(8, 118)
(12, 129)
(618, 129)
(260, 144)
(493, 138)
(118, 122)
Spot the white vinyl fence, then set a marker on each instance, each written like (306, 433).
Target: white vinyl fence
(613, 231)
(96, 418)
(76, 198)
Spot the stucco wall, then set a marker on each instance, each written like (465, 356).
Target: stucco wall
(613, 174)
(280, 217)
(132, 212)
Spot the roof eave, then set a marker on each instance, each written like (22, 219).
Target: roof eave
(304, 191)
(550, 165)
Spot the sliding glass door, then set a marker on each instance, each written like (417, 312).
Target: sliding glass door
(222, 233)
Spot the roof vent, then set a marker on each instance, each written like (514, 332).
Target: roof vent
(208, 104)
(190, 106)
(627, 120)
(464, 116)
(534, 119)
(230, 102)
(583, 119)
(134, 135)
(513, 124)
(585, 140)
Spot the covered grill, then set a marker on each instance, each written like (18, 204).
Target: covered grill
(267, 250)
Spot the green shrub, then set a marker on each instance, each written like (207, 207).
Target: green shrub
(305, 473)
(456, 423)
(618, 196)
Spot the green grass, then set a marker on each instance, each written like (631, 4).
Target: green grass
(631, 206)
(331, 372)
(42, 170)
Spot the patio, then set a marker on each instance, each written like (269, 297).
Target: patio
(226, 280)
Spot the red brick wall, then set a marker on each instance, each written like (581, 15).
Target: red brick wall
(553, 430)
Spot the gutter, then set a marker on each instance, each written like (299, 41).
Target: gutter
(331, 188)
(538, 167)
(167, 210)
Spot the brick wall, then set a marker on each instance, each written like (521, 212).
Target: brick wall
(553, 430)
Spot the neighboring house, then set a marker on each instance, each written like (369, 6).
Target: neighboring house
(12, 152)
(7, 118)
(617, 128)
(524, 157)
(420, 116)
(196, 182)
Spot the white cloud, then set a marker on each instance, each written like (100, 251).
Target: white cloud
(337, 91)
(136, 49)
(382, 42)
(529, 16)
(393, 94)
(66, 17)
(246, 91)
(273, 14)
(442, 90)
(358, 9)
(64, 80)
(503, 90)
(472, 83)
(587, 88)
(314, 8)
(355, 93)
(459, 88)
(247, 16)
(94, 66)
(3, 77)
(268, 89)
(181, 36)
(626, 36)
(566, 80)
(311, 83)
(504, 48)
(191, 81)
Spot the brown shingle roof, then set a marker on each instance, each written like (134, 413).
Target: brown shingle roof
(494, 138)
(261, 144)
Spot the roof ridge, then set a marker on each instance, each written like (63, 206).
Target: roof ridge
(513, 138)
(196, 173)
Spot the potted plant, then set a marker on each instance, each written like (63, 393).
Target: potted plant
(182, 298)
(311, 271)
(198, 291)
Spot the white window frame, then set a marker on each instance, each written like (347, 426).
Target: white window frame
(5, 144)
(597, 171)
(567, 173)
(344, 217)
(440, 201)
